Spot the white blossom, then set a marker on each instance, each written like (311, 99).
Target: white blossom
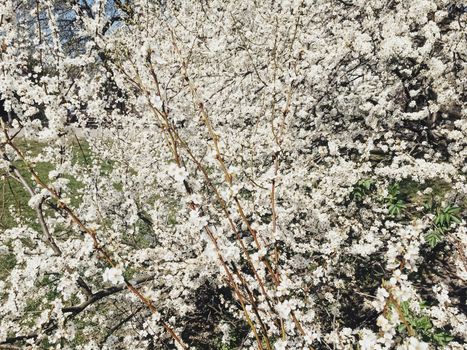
(113, 275)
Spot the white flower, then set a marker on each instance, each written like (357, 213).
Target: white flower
(225, 329)
(37, 199)
(413, 344)
(333, 148)
(156, 102)
(4, 165)
(283, 309)
(383, 323)
(369, 341)
(380, 302)
(280, 345)
(197, 220)
(269, 175)
(231, 253)
(178, 173)
(397, 277)
(210, 251)
(113, 275)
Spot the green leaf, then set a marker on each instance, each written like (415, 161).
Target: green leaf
(405, 308)
(453, 210)
(442, 338)
(394, 190)
(396, 208)
(361, 189)
(400, 327)
(423, 323)
(423, 305)
(366, 184)
(428, 204)
(444, 217)
(439, 220)
(433, 237)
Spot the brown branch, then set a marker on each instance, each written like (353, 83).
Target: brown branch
(95, 297)
(76, 309)
(105, 255)
(40, 215)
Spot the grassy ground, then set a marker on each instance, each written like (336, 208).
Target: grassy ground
(14, 198)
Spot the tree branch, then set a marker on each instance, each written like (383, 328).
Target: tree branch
(76, 309)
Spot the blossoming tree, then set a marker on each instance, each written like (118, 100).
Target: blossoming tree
(262, 174)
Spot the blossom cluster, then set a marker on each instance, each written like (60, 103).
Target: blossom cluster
(262, 175)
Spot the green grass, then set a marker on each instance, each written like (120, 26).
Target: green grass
(410, 189)
(7, 263)
(14, 198)
(412, 196)
(14, 208)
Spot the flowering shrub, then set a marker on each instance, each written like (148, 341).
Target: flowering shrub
(263, 175)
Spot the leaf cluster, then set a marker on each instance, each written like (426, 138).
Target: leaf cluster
(393, 200)
(423, 326)
(362, 189)
(442, 222)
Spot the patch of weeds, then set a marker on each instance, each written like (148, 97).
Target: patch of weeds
(245, 193)
(423, 326)
(14, 196)
(173, 209)
(442, 222)
(362, 188)
(394, 201)
(413, 192)
(7, 263)
(48, 282)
